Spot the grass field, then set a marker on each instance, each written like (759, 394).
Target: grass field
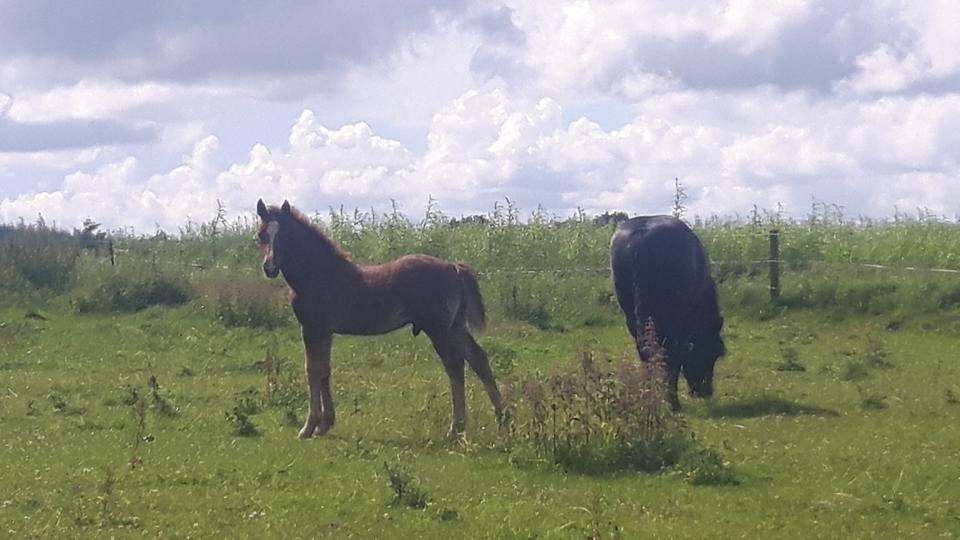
(837, 411)
(830, 451)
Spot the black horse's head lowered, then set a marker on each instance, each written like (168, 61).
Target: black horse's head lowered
(703, 351)
(661, 273)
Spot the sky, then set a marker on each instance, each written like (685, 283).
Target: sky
(144, 115)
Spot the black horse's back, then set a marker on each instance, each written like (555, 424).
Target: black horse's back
(660, 261)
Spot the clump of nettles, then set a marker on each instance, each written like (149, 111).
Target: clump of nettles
(791, 361)
(599, 419)
(246, 404)
(161, 404)
(405, 486)
(241, 423)
(706, 467)
(876, 355)
(281, 388)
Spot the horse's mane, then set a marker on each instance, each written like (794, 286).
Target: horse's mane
(313, 232)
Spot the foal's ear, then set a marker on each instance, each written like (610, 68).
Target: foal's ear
(285, 208)
(262, 210)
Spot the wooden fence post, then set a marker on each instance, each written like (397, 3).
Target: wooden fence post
(774, 261)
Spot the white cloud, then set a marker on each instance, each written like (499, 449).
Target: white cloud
(67, 159)
(921, 192)
(424, 73)
(87, 100)
(636, 86)
(317, 168)
(47, 40)
(753, 24)
(904, 133)
(784, 151)
(926, 48)
(99, 193)
(563, 103)
(937, 40)
(484, 147)
(881, 70)
(869, 158)
(619, 46)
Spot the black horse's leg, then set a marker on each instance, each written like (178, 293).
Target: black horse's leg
(673, 373)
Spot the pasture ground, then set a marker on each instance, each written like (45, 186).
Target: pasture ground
(835, 428)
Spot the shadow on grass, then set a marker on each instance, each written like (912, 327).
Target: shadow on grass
(766, 406)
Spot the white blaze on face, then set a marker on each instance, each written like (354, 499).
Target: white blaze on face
(273, 228)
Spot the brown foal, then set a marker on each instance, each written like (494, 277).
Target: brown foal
(332, 295)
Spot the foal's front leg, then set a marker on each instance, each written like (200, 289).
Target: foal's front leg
(316, 346)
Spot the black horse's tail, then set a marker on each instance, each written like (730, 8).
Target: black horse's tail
(640, 320)
(471, 302)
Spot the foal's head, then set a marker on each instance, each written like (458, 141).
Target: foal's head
(274, 223)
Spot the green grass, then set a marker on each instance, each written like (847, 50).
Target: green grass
(162, 396)
(809, 459)
(541, 269)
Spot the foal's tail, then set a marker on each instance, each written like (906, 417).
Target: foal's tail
(471, 302)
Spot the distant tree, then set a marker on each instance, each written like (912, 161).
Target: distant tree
(92, 238)
(608, 218)
(90, 235)
(475, 219)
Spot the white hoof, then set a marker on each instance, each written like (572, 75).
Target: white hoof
(317, 426)
(306, 432)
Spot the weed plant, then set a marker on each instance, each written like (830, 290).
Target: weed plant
(854, 370)
(706, 467)
(872, 401)
(282, 388)
(600, 419)
(790, 360)
(875, 355)
(240, 422)
(406, 488)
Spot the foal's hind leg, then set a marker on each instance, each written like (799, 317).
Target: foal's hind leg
(477, 358)
(321, 417)
(452, 358)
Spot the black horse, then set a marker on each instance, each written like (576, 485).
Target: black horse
(661, 272)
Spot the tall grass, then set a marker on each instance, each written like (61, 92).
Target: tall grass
(37, 256)
(544, 270)
(499, 241)
(741, 247)
(249, 302)
(124, 291)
